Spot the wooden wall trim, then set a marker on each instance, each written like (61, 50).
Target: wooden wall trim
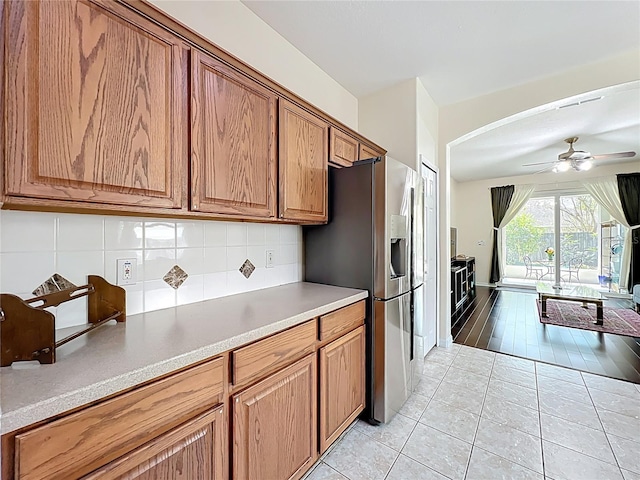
(196, 40)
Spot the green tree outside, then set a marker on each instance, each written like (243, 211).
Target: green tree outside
(525, 238)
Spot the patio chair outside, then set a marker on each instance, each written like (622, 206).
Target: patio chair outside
(531, 270)
(573, 269)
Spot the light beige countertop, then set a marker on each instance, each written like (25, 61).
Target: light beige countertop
(115, 357)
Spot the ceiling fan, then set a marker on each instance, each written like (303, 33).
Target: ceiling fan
(579, 160)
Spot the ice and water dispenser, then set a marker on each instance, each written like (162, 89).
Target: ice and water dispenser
(398, 246)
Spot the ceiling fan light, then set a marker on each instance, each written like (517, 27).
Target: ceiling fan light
(562, 166)
(585, 165)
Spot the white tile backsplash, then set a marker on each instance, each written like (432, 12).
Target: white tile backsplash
(34, 245)
(24, 271)
(215, 234)
(77, 233)
(189, 234)
(122, 234)
(236, 257)
(158, 294)
(28, 232)
(192, 290)
(255, 234)
(159, 234)
(75, 266)
(157, 262)
(236, 234)
(191, 260)
(215, 259)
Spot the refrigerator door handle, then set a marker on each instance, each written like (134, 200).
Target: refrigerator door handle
(412, 257)
(412, 325)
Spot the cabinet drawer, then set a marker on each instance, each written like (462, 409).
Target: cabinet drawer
(343, 320)
(81, 442)
(266, 355)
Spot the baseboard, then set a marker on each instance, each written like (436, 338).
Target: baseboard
(483, 284)
(445, 342)
(617, 295)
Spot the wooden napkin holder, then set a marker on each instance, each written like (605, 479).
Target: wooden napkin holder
(28, 332)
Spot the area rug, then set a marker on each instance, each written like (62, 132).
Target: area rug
(621, 321)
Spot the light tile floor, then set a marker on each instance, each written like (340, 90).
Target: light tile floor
(479, 415)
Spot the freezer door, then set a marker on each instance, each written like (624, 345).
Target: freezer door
(392, 231)
(393, 372)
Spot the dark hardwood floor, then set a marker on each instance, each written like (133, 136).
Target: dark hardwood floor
(507, 321)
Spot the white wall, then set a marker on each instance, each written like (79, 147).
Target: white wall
(236, 29)
(453, 202)
(474, 218)
(388, 117)
(426, 124)
(36, 245)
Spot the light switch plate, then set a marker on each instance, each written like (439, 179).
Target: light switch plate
(126, 271)
(270, 261)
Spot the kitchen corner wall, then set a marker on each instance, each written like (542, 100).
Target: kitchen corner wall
(34, 246)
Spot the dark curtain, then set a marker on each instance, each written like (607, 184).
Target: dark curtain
(500, 201)
(629, 189)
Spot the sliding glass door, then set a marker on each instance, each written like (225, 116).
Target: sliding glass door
(526, 238)
(579, 222)
(564, 238)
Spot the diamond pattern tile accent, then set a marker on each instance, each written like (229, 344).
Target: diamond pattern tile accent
(175, 277)
(247, 268)
(55, 283)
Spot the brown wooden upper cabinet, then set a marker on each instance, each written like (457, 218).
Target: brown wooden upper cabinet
(343, 149)
(234, 156)
(367, 152)
(95, 105)
(303, 155)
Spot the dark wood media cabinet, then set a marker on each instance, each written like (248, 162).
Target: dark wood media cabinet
(463, 284)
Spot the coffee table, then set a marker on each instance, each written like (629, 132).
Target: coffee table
(577, 293)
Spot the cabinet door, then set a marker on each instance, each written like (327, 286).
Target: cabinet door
(343, 149)
(195, 450)
(366, 152)
(234, 159)
(303, 164)
(274, 425)
(96, 105)
(342, 385)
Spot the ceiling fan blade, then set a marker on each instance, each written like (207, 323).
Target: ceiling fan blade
(539, 163)
(545, 169)
(614, 155)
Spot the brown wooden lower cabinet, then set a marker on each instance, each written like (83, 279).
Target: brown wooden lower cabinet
(342, 385)
(194, 450)
(274, 425)
(304, 386)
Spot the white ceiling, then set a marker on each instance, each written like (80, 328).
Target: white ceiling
(459, 49)
(464, 49)
(609, 125)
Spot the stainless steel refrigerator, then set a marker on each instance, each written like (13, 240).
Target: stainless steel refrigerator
(373, 241)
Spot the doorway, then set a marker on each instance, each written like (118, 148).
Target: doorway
(429, 331)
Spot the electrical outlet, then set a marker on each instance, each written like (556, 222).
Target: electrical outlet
(271, 259)
(126, 273)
